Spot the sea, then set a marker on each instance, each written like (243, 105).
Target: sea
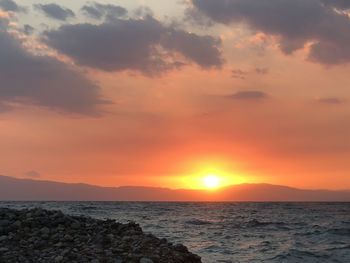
(232, 232)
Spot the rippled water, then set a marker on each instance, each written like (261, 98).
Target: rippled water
(234, 232)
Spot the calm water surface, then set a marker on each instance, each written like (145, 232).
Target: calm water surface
(233, 232)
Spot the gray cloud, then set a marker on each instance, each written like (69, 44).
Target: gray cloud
(248, 95)
(296, 23)
(341, 4)
(144, 45)
(9, 5)
(28, 29)
(55, 11)
(331, 100)
(104, 11)
(44, 81)
(261, 71)
(201, 49)
(238, 74)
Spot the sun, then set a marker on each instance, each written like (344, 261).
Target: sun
(211, 181)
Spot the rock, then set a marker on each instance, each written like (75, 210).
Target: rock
(4, 222)
(75, 225)
(3, 249)
(68, 238)
(146, 260)
(45, 231)
(39, 235)
(58, 259)
(17, 224)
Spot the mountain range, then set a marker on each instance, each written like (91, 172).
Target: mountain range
(14, 189)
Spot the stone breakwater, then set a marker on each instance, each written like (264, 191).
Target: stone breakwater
(39, 235)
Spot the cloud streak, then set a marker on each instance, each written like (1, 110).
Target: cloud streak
(249, 95)
(55, 11)
(104, 11)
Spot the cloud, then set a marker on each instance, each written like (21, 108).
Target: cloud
(340, 4)
(144, 45)
(32, 174)
(295, 23)
(261, 71)
(331, 100)
(203, 50)
(55, 11)
(104, 11)
(239, 74)
(248, 95)
(28, 29)
(44, 81)
(9, 5)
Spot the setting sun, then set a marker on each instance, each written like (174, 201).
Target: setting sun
(211, 181)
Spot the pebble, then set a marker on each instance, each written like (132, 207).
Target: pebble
(146, 260)
(58, 259)
(3, 249)
(38, 235)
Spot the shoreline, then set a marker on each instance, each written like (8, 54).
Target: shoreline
(38, 235)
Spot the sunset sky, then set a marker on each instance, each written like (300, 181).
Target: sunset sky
(164, 93)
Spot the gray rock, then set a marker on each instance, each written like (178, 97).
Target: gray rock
(146, 260)
(3, 249)
(75, 225)
(58, 259)
(45, 231)
(4, 222)
(39, 235)
(17, 224)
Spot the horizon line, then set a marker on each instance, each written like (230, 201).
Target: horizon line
(176, 189)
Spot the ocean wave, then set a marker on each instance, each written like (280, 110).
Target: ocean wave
(198, 222)
(339, 248)
(257, 223)
(339, 231)
(301, 255)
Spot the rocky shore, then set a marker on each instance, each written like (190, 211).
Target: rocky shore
(39, 235)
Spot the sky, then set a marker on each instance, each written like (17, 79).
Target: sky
(165, 93)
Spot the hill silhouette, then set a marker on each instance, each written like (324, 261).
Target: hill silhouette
(13, 189)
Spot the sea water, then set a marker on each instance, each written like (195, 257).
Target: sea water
(233, 232)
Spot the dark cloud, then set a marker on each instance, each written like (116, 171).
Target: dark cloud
(55, 11)
(331, 100)
(43, 80)
(203, 50)
(32, 174)
(248, 95)
(9, 5)
(296, 23)
(28, 29)
(104, 11)
(261, 71)
(341, 4)
(145, 45)
(239, 74)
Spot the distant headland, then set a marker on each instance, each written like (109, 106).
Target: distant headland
(13, 189)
